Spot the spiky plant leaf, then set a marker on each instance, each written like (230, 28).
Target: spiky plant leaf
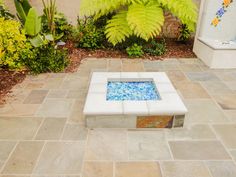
(117, 28)
(146, 20)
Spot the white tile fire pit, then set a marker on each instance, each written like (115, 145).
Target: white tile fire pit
(166, 111)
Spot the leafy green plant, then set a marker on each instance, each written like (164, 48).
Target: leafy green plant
(50, 12)
(142, 18)
(155, 48)
(184, 33)
(22, 8)
(13, 44)
(135, 50)
(62, 28)
(87, 35)
(4, 12)
(47, 59)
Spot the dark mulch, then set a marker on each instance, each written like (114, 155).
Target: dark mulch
(174, 50)
(8, 79)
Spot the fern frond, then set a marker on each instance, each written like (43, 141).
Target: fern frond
(185, 10)
(145, 20)
(117, 28)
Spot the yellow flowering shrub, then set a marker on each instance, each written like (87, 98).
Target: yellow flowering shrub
(13, 44)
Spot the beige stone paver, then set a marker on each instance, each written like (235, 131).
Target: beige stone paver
(107, 145)
(132, 65)
(191, 90)
(204, 111)
(24, 158)
(75, 132)
(51, 129)
(36, 97)
(192, 132)
(61, 158)
(227, 134)
(222, 169)
(198, 150)
(16, 128)
(233, 154)
(95, 169)
(15, 110)
(202, 76)
(57, 93)
(184, 169)
(226, 101)
(55, 107)
(148, 145)
(45, 135)
(6, 148)
(137, 169)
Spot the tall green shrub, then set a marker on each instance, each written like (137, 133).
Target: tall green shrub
(13, 44)
(142, 18)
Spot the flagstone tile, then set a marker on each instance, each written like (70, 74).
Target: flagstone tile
(147, 145)
(233, 154)
(15, 110)
(129, 65)
(137, 169)
(226, 133)
(198, 150)
(51, 129)
(72, 83)
(204, 111)
(184, 169)
(55, 107)
(201, 76)
(75, 132)
(216, 87)
(17, 96)
(97, 169)
(6, 148)
(76, 114)
(57, 93)
(79, 95)
(107, 145)
(190, 68)
(226, 101)
(177, 76)
(222, 168)
(61, 158)
(36, 97)
(114, 65)
(53, 83)
(226, 75)
(24, 158)
(192, 132)
(16, 128)
(191, 90)
(34, 85)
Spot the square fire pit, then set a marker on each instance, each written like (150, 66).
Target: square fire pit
(133, 100)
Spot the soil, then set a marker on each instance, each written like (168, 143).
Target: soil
(8, 79)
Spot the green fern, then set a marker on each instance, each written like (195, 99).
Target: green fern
(118, 28)
(143, 18)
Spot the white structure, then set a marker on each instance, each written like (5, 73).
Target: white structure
(216, 45)
(101, 113)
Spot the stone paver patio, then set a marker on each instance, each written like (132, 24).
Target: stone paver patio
(42, 131)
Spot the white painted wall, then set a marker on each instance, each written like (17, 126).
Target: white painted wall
(226, 29)
(69, 7)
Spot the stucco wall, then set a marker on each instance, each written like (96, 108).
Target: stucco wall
(71, 8)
